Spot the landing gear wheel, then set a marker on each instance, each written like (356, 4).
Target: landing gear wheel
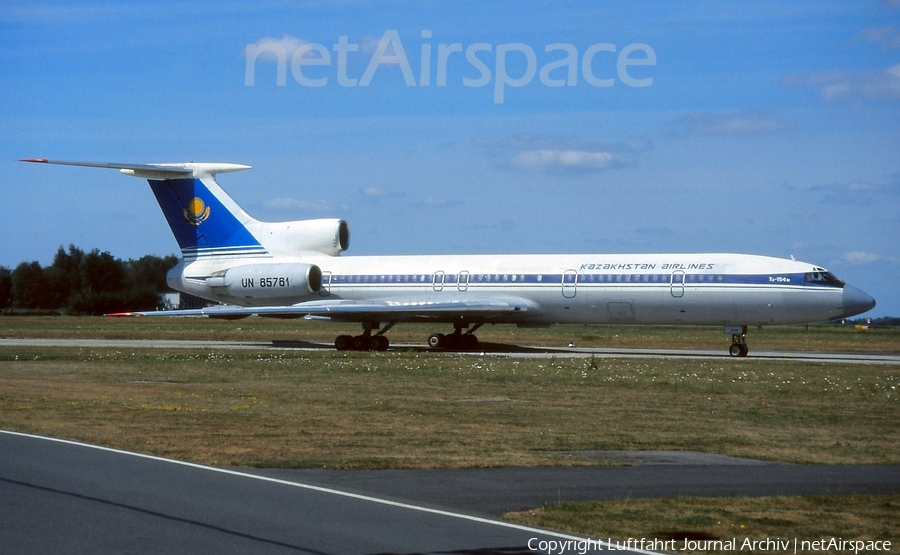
(359, 343)
(381, 343)
(468, 342)
(343, 342)
(437, 341)
(737, 350)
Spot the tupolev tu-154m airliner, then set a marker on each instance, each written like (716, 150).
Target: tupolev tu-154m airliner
(295, 270)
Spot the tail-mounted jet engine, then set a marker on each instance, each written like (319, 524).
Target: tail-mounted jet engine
(262, 284)
(327, 236)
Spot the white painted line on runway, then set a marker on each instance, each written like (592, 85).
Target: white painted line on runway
(331, 491)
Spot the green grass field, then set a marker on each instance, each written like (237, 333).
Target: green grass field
(413, 409)
(736, 519)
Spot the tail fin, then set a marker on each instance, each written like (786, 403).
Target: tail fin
(205, 220)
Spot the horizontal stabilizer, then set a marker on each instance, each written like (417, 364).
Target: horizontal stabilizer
(153, 171)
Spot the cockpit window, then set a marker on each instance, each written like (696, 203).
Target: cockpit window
(823, 277)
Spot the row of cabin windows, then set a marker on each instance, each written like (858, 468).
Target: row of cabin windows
(522, 278)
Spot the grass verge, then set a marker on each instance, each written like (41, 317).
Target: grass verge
(732, 524)
(418, 410)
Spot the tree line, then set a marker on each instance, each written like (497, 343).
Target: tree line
(79, 282)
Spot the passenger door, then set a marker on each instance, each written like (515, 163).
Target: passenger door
(677, 284)
(569, 283)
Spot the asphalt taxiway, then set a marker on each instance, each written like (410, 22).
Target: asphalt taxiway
(64, 497)
(487, 349)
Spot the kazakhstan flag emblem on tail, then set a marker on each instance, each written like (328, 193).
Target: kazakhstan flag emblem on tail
(196, 212)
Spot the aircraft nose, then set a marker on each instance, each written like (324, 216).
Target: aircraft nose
(855, 301)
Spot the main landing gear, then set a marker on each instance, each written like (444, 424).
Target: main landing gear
(738, 346)
(456, 341)
(365, 341)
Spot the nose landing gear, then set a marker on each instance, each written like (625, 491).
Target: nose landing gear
(738, 346)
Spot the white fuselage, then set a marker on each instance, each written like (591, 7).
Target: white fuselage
(702, 289)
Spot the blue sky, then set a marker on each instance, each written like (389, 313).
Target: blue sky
(760, 127)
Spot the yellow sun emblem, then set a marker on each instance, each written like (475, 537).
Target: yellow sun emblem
(196, 212)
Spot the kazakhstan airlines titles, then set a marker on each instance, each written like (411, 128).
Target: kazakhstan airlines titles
(648, 266)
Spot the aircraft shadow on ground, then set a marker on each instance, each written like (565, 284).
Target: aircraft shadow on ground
(483, 347)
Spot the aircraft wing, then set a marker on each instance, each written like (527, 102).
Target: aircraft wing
(483, 309)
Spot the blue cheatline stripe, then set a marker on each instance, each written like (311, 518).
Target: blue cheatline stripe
(792, 280)
(196, 253)
(198, 219)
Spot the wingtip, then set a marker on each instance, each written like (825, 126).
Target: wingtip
(35, 160)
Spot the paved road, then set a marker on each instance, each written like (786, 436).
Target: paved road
(64, 497)
(487, 350)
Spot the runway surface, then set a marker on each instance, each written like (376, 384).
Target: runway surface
(489, 349)
(66, 497)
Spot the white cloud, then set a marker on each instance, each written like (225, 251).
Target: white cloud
(861, 257)
(845, 85)
(574, 160)
(292, 204)
(287, 42)
(374, 192)
(860, 186)
(553, 154)
(886, 36)
(869, 195)
(734, 123)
